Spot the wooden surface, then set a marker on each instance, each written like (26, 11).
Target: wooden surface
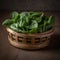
(8, 52)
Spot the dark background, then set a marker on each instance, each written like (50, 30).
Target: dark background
(28, 5)
(49, 7)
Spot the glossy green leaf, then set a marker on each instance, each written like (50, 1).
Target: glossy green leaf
(33, 25)
(40, 28)
(51, 20)
(14, 15)
(7, 22)
(29, 22)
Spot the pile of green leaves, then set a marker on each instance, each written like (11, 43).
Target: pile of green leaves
(29, 22)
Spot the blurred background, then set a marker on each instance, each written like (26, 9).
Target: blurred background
(29, 5)
(49, 7)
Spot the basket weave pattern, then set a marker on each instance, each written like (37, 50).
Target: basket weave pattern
(29, 41)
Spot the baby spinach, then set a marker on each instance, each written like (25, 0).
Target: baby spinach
(29, 22)
(7, 22)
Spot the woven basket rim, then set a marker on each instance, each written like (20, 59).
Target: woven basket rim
(50, 32)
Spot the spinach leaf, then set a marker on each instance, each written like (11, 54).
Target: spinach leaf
(40, 18)
(16, 28)
(21, 23)
(40, 28)
(7, 22)
(50, 23)
(29, 22)
(51, 20)
(34, 30)
(14, 15)
(34, 24)
(45, 23)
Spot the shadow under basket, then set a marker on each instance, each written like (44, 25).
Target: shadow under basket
(29, 41)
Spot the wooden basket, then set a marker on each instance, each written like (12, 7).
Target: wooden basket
(29, 41)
